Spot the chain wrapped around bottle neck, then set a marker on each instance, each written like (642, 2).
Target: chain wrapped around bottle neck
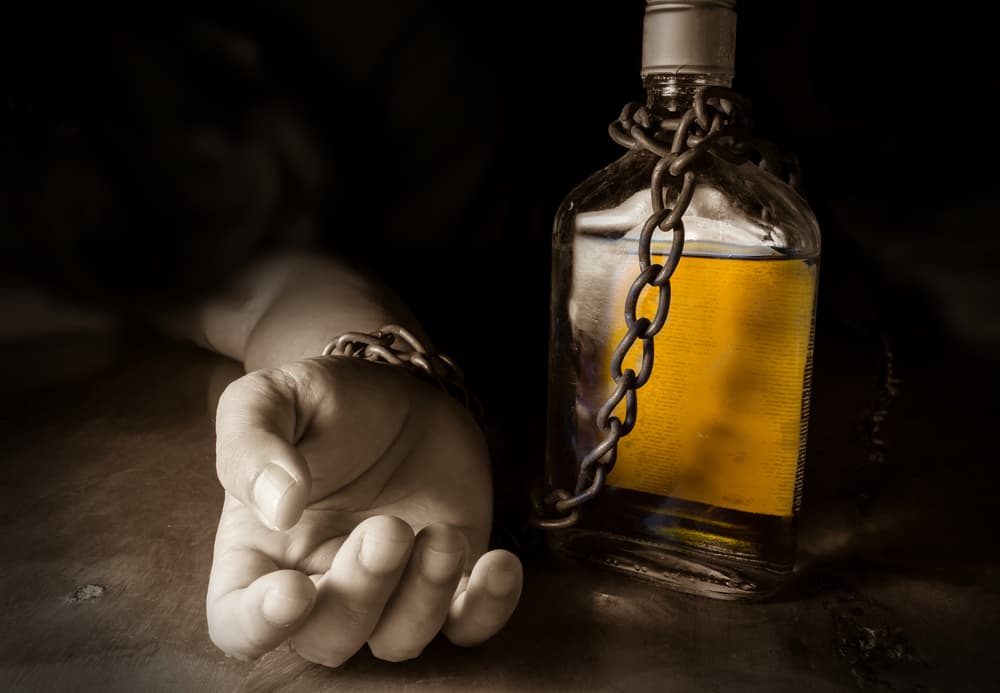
(717, 123)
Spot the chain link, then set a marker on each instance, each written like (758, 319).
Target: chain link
(398, 346)
(717, 123)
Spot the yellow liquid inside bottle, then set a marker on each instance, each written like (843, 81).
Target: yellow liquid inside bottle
(721, 420)
(707, 486)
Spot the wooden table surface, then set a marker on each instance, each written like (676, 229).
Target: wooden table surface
(109, 503)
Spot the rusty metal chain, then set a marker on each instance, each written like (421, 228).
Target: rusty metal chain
(411, 355)
(717, 123)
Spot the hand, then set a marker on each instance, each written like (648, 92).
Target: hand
(358, 509)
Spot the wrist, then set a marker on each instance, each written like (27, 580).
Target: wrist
(396, 346)
(310, 300)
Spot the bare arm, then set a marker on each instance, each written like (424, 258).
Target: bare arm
(288, 307)
(319, 455)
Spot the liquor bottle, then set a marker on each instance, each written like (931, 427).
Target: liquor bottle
(706, 482)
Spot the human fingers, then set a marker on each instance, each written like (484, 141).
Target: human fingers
(256, 460)
(352, 594)
(419, 606)
(487, 601)
(253, 607)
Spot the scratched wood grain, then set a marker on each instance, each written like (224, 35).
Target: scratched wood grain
(109, 482)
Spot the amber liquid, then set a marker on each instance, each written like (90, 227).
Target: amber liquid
(706, 490)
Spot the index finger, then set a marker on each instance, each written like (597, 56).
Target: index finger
(251, 605)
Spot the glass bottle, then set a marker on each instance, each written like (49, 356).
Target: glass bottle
(707, 487)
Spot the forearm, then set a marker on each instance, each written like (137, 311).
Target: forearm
(288, 307)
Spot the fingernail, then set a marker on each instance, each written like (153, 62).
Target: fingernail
(440, 566)
(501, 582)
(381, 556)
(268, 490)
(281, 610)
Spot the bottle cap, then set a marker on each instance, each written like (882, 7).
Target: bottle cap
(697, 36)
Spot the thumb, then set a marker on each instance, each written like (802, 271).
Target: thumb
(256, 459)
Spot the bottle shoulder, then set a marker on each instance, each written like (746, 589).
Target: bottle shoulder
(739, 206)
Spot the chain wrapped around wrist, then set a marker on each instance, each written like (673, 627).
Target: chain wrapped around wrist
(397, 346)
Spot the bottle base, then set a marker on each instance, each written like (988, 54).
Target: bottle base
(681, 569)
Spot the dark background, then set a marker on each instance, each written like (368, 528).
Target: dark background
(148, 151)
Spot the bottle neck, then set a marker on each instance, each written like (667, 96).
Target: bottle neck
(674, 93)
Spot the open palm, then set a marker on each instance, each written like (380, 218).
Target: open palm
(358, 509)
